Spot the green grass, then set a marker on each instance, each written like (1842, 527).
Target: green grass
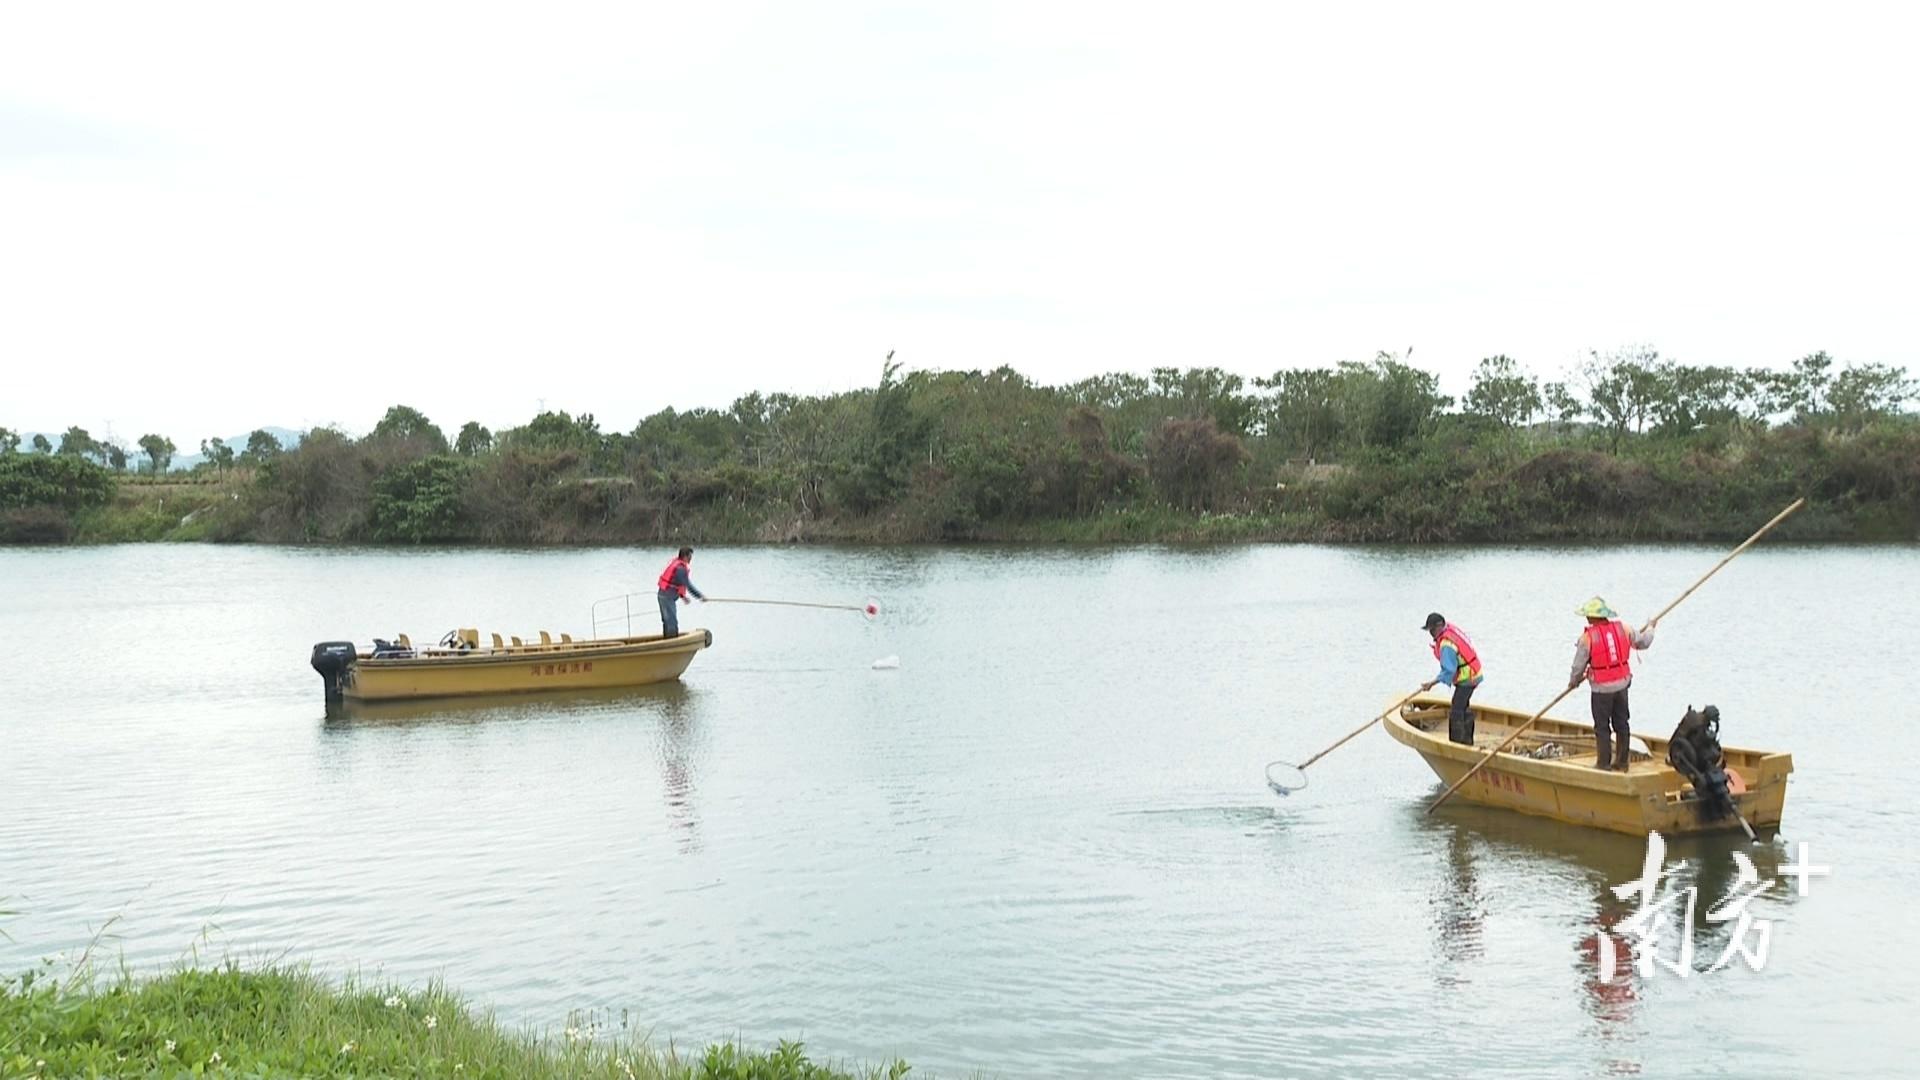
(287, 1022)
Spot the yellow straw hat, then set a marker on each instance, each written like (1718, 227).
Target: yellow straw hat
(1595, 608)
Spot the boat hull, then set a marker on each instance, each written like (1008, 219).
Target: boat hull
(586, 665)
(1650, 796)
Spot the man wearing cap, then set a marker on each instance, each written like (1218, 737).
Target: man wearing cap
(1601, 656)
(1459, 668)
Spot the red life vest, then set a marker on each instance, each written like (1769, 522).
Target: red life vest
(1608, 645)
(1469, 668)
(666, 576)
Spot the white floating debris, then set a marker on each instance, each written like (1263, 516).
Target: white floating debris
(886, 663)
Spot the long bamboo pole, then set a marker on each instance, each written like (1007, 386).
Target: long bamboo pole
(1349, 736)
(787, 603)
(1517, 732)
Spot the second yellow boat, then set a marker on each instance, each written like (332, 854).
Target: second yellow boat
(1549, 772)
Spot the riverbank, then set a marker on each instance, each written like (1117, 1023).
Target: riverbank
(1363, 508)
(1460, 486)
(282, 1021)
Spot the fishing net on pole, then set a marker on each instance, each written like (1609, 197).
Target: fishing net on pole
(1285, 778)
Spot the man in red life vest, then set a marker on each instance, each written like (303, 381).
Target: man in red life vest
(1459, 668)
(675, 584)
(1601, 658)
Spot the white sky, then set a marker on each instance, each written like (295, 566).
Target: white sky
(216, 217)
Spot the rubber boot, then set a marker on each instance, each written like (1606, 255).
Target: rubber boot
(1603, 750)
(1625, 759)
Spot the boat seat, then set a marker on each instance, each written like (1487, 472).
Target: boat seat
(566, 639)
(516, 641)
(545, 638)
(497, 643)
(406, 642)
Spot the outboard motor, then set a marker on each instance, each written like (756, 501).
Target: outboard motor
(1695, 753)
(332, 659)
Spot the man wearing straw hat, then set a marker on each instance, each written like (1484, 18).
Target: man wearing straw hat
(1459, 668)
(1601, 657)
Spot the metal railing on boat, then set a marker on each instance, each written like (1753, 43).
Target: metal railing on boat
(625, 600)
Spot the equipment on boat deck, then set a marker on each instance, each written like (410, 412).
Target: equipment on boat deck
(1694, 752)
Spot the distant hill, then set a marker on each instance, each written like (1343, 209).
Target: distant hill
(185, 458)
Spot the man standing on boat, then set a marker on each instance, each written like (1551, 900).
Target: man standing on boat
(1459, 668)
(675, 584)
(1601, 657)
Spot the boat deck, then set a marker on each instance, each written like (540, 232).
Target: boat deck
(1567, 748)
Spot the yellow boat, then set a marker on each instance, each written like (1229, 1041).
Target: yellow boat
(1549, 772)
(460, 666)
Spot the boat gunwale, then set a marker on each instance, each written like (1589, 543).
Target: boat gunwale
(592, 649)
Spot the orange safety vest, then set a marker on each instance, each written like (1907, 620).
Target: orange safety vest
(1469, 668)
(666, 576)
(1608, 645)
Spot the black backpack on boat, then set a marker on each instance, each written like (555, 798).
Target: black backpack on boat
(1695, 753)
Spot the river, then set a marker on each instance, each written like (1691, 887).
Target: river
(1040, 847)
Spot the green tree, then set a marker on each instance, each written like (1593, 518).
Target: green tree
(403, 423)
(421, 501)
(1621, 390)
(555, 431)
(1865, 392)
(1303, 410)
(884, 455)
(116, 457)
(1560, 402)
(41, 445)
(1803, 391)
(1391, 403)
(473, 440)
(262, 447)
(159, 450)
(77, 443)
(9, 440)
(218, 455)
(1504, 393)
(1687, 398)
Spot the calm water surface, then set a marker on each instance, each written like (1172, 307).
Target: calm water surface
(1042, 847)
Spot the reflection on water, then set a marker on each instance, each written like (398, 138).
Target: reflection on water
(344, 716)
(1458, 911)
(670, 706)
(1481, 841)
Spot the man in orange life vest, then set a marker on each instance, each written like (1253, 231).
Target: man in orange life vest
(1600, 657)
(1459, 668)
(674, 586)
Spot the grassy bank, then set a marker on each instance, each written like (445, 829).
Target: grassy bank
(283, 1022)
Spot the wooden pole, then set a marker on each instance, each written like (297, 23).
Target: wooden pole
(1358, 730)
(1517, 732)
(784, 603)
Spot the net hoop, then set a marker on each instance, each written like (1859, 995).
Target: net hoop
(1289, 779)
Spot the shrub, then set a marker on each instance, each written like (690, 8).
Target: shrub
(65, 481)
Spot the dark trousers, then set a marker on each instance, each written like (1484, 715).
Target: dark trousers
(669, 614)
(1610, 718)
(1460, 718)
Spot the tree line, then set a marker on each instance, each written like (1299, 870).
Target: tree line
(1357, 450)
(157, 450)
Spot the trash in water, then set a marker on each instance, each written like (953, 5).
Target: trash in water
(886, 663)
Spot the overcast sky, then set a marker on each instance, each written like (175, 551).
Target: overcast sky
(219, 217)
